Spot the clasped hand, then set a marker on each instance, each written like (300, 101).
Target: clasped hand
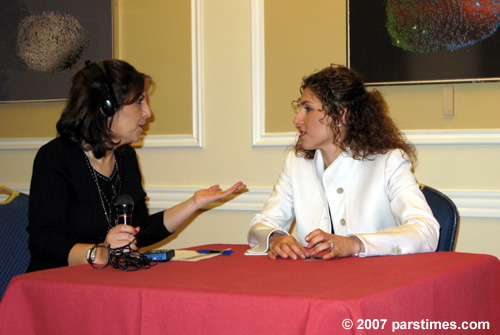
(120, 236)
(318, 241)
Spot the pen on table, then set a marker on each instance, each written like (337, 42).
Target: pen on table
(222, 252)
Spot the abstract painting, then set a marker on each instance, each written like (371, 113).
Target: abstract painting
(44, 42)
(420, 41)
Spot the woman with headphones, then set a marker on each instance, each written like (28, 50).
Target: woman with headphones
(78, 176)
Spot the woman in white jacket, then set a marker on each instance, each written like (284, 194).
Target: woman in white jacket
(349, 184)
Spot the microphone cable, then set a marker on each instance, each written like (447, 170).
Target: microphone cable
(124, 258)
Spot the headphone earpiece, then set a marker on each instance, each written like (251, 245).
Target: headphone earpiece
(109, 105)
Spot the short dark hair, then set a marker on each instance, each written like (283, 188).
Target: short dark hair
(369, 130)
(82, 120)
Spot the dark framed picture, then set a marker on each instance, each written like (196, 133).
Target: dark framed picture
(44, 42)
(424, 41)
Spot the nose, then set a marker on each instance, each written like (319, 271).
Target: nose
(146, 110)
(297, 120)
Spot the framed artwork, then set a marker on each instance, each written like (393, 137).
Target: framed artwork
(44, 42)
(424, 41)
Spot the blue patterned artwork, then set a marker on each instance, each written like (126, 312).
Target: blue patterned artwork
(43, 42)
(433, 25)
(405, 41)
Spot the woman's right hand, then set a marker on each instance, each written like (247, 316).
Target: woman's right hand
(286, 246)
(120, 236)
(117, 237)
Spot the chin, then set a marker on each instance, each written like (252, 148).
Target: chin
(307, 147)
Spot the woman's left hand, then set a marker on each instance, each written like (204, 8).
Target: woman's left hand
(336, 246)
(214, 193)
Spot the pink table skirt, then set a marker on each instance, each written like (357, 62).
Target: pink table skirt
(240, 294)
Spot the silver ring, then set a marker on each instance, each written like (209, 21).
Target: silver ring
(331, 245)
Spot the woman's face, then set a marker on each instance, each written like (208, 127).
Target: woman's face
(313, 123)
(128, 122)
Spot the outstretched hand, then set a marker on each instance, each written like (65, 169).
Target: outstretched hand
(175, 216)
(214, 193)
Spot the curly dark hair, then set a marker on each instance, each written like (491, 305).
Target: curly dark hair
(82, 120)
(369, 130)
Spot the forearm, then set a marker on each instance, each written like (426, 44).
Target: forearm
(405, 239)
(78, 254)
(175, 216)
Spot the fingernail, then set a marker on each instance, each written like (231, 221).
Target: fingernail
(137, 229)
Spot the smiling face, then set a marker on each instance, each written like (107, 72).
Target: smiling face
(128, 122)
(313, 124)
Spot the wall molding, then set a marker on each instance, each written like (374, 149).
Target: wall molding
(148, 141)
(263, 139)
(470, 203)
(157, 141)
(197, 82)
(258, 75)
(417, 137)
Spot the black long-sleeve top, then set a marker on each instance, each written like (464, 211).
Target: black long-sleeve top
(65, 207)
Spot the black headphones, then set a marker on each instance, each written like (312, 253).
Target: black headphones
(109, 105)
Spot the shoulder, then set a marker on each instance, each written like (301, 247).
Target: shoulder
(393, 156)
(396, 162)
(294, 161)
(386, 163)
(127, 155)
(397, 157)
(126, 152)
(58, 148)
(58, 156)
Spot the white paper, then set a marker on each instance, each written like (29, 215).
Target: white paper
(191, 255)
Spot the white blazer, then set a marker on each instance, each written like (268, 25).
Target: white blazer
(377, 200)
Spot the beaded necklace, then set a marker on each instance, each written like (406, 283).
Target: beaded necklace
(107, 205)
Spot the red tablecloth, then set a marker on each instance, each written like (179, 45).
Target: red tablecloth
(241, 294)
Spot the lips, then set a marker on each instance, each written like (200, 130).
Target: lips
(302, 133)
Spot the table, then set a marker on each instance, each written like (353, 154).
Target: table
(240, 294)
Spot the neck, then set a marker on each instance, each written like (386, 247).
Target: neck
(104, 165)
(329, 156)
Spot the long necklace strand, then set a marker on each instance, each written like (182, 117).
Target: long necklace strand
(116, 189)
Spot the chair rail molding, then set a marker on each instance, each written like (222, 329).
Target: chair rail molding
(262, 139)
(158, 141)
(470, 203)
